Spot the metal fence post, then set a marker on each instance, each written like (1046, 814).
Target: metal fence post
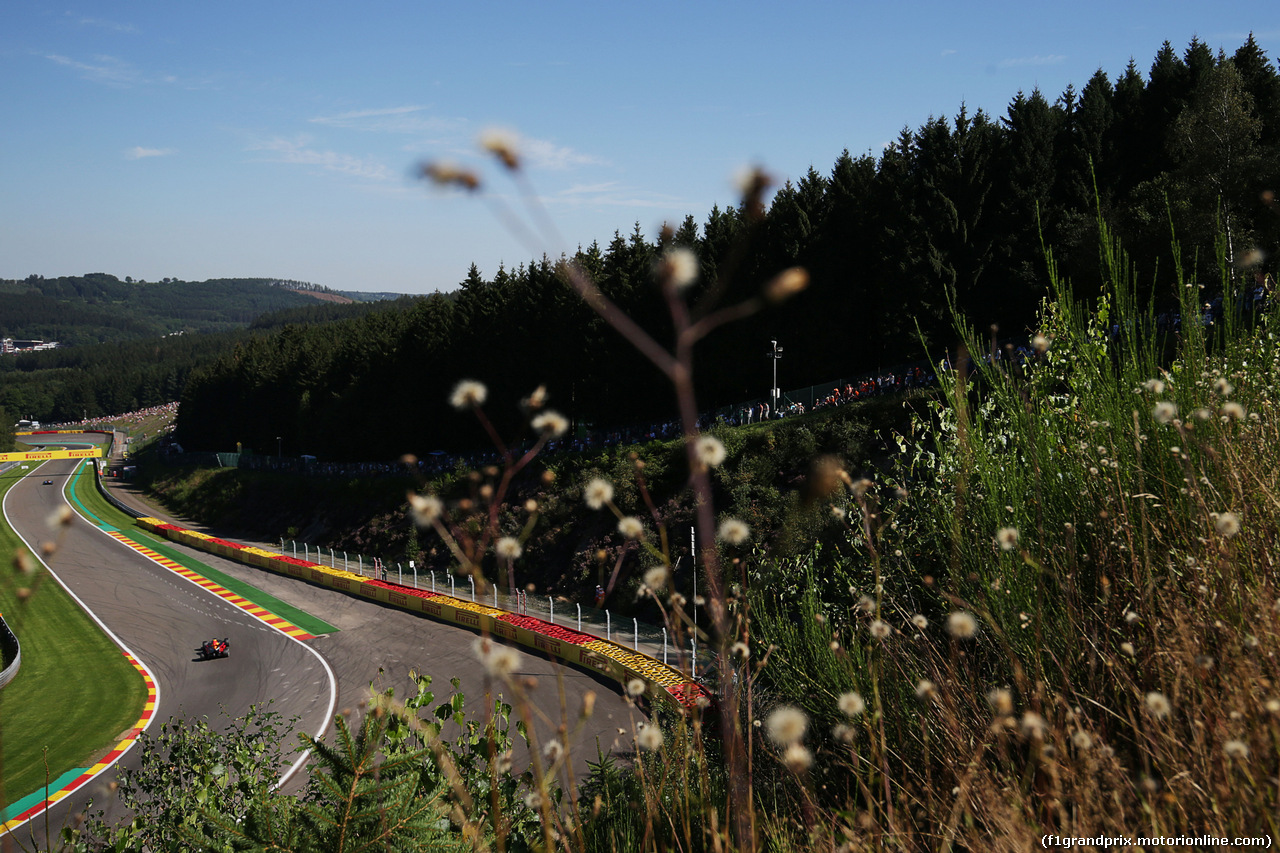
(306, 552)
(495, 595)
(608, 626)
(551, 603)
(579, 615)
(360, 563)
(346, 565)
(400, 572)
(452, 588)
(664, 646)
(635, 625)
(693, 658)
(472, 578)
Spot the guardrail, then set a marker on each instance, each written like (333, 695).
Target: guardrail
(579, 648)
(12, 652)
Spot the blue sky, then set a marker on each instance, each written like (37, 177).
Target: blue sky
(200, 140)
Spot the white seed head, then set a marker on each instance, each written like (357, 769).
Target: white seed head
(797, 758)
(1001, 701)
(1007, 537)
(649, 738)
(1227, 524)
(635, 687)
(733, 531)
(499, 661)
(786, 725)
(1158, 704)
(919, 621)
(962, 624)
(1164, 412)
(678, 267)
(851, 704)
(656, 578)
(1082, 740)
(598, 493)
(553, 750)
(502, 144)
(425, 508)
(468, 394)
(508, 548)
(710, 450)
(880, 629)
(630, 527)
(1236, 749)
(926, 689)
(551, 423)
(1154, 386)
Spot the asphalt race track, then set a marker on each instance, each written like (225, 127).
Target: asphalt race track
(162, 618)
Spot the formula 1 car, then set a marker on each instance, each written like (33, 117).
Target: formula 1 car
(212, 649)
(48, 482)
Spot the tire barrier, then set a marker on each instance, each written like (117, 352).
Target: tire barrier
(576, 648)
(12, 652)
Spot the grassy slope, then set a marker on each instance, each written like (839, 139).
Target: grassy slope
(75, 693)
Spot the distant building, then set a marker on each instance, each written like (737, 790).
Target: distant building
(11, 346)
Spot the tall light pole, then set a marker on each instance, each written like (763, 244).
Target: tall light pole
(279, 448)
(775, 354)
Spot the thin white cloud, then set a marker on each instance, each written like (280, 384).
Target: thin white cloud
(1021, 61)
(107, 25)
(610, 194)
(299, 152)
(544, 154)
(406, 119)
(104, 69)
(949, 51)
(140, 153)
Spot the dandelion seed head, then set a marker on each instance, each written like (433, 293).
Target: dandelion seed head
(786, 284)
(1233, 410)
(797, 758)
(786, 725)
(678, 267)
(1223, 386)
(838, 512)
(733, 531)
(553, 750)
(1007, 537)
(1001, 701)
(880, 629)
(649, 738)
(926, 689)
(962, 624)
(446, 174)
(1164, 412)
(1236, 749)
(843, 733)
(656, 578)
(1227, 524)
(1082, 740)
(468, 394)
(635, 687)
(710, 451)
(549, 423)
(919, 621)
(1033, 725)
(499, 661)
(508, 548)
(1153, 386)
(630, 527)
(598, 493)
(502, 144)
(1040, 344)
(425, 508)
(851, 704)
(1158, 704)
(740, 649)
(1127, 649)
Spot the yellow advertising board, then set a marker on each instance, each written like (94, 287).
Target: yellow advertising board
(45, 455)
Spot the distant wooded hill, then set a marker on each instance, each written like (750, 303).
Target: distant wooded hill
(100, 308)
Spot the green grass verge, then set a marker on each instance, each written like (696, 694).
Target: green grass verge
(75, 693)
(90, 501)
